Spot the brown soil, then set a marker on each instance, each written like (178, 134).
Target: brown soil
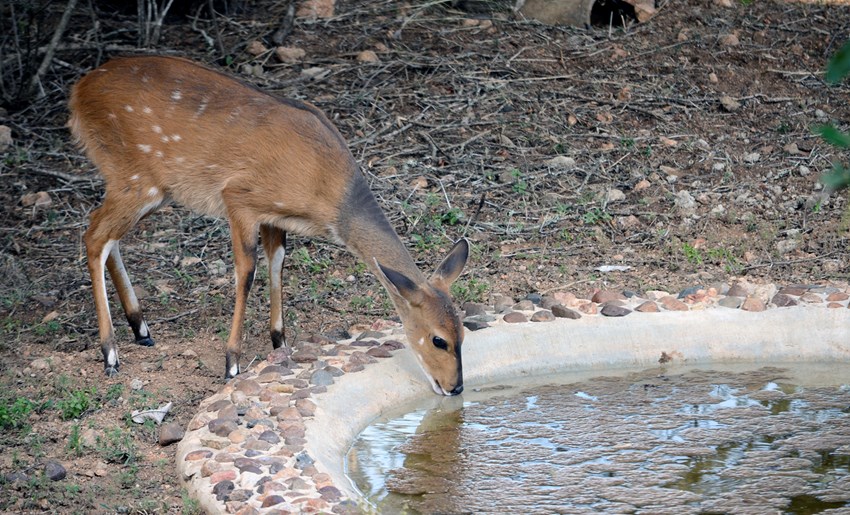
(454, 111)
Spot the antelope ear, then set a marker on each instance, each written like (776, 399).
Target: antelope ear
(452, 265)
(398, 285)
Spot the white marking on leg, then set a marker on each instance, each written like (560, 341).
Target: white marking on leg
(234, 370)
(275, 267)
(112, 358)
(144, 332)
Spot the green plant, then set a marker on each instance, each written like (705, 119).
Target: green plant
(190, 506)
(76, 403)
(116, 446)
(75, 443)
(837, 68)
(14, 415)
(469, 290)
(453, 216)
(595, 215)
(692, 254)
(520, 185)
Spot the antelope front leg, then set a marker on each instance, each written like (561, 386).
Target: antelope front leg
(245, 263)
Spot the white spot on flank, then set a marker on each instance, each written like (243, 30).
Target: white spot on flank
(144, 148)
(176, 95)
(158, 153)
(179, 159)
(278, 204)
(145, 78)
(201, 108)
(176, 137)
(165, 139)
(157, 129)
(111, 116)
(134, 177)
(128, 108)
(147, 110)
(153, 191)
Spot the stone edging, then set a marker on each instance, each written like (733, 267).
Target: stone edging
(272, 440)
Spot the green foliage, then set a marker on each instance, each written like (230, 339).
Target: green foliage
(469, 290)
(15, 414)
(117, 446)
(75, 443)
(837, 68)
(692, 254)
(76, 403)
(595, 216)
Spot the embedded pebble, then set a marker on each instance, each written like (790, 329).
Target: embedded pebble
(542, 316)
(515, 317)
(54, 470)
(561, 311)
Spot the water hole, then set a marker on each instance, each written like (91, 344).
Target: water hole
(766, 440)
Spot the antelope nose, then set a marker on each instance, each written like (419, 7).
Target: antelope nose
(457, 390)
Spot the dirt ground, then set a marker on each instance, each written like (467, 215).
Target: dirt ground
(681, 148)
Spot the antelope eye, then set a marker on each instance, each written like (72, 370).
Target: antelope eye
(440, 343)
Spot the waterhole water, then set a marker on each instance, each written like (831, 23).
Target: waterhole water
(733, 440)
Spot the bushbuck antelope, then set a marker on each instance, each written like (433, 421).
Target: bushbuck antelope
(161, 128)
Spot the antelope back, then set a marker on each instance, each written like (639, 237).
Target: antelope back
(166, 127)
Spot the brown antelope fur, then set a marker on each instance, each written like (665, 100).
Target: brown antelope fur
(161, 128)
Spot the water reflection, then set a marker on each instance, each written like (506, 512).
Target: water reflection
(692, 443)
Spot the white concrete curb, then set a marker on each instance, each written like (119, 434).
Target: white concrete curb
(511, 351)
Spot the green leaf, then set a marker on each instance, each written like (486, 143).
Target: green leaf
(837, 179)
(839, 65)
(832, 135)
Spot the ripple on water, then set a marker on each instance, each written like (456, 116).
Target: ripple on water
(694, 442)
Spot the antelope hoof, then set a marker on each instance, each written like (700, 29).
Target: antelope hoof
(277, 339)
(146, 341)
(110, 370)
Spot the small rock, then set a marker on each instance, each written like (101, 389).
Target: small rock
(729, 40)
(837, 296)
(249, 387)
(330, 493)
(217, 267)
(321, 378)
(603, 296)
(524, 305)
(685, 202)
(256, 48)
(729, 104)
(40, 199)
(782, 300)
(542, 316)
(751, 157)
(673, 304)
(270, 437)
(753, 304)
(368, 56)
(303, 460)
(304, 356)
(561, 311)
(314, 9)
(786, 246)
(475, 325)
(379, 352)
(315, 72)
(588, 308)
(613, 310)
(502, 304)
(54, 470)
(41, 364)
(515, 317)
(561, 162)
(615, 195)
(642, 185)
(169, 433)
(201, 454)
(222, 488)
(730, 302)
(474, 308)
(221, 427)
(648, 307)
(305, 407)
(223, 475)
